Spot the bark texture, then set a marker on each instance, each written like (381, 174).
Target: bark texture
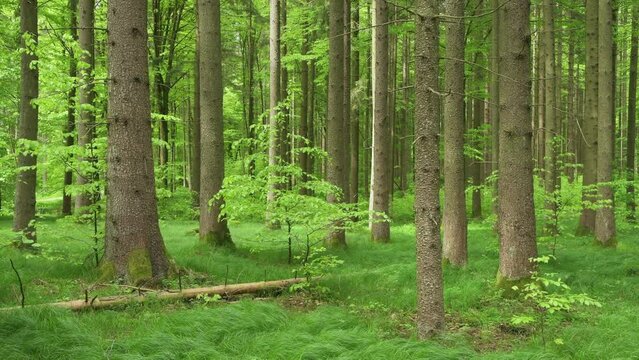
(134, 249)
(274, 98)
(213, 228)
(430, 294)
(455, 221)
(551, 128)
(632, 116)
(516, 202)
(25, 195)
(381, 168)
(605, 215)
(69, 137)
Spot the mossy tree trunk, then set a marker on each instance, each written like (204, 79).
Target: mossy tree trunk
(134, 249)
(430, 294)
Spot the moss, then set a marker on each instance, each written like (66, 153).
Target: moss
(106, 271)
(221, 239)
(610, 244)
(139, 268)
(506, 285)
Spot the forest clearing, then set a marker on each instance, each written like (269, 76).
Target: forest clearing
(305, 179)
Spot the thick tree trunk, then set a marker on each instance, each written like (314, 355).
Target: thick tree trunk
(274, 88)
(605, 215)
(516, 201)
(455, 222)
(590, 125)
(632, 117)
(69, 137)
(134, 249)
(335, 140)
(551, 128)
(430, 294)
(86, 123)
(381, 168)
(213, 227)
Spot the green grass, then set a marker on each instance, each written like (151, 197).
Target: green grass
(368, 315)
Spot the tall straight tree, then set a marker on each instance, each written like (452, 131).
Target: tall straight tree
(516, 205)
(381, 164)
(213, 228)
(590, 140)
(25, 196)
(86, 123)
(347, 103)
(335, 139)
(274, 89)
(133, 246)
(605, 215)
(430, 284)
(196, 147)
(455, 222)
(632, 116)
(354, 118)
(494, 89)
(71, 113)
(551, 123)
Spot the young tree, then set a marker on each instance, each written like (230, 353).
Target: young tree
(516, 205)
(86, 123)
(632, 115)
(71, 114)
(133, 249)
(274, 89)
(589, 128)
(605, 214)
(455, 222)
(25, 195)
(430, 287)
(335, 140)
(381, 169)
(213, 228)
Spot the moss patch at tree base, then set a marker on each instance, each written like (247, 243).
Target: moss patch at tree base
(506, 285)
(218, 240)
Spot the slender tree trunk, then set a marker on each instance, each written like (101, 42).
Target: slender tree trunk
(285, 112)
(405, 131)
(335, 140)
(571, 124)
(86, 123)
(274, 88)
(213, 227)
(134, 249)
(354, 117)
(303, 129)
(516, 201)
(69, 137)
(26, 177)
(605, 215)
(632, 116)
(590, 125)
(196, 127)
(494, 94)
(477, 109)
(381, 168)
(455, 222)
(430, 294)
(551, 128)
(347, 103)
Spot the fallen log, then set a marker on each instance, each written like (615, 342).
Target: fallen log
(222, 290)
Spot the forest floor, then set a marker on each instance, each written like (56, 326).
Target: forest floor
(368, 312)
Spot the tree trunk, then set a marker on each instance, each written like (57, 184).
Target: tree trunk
(494, 95)
(213, 227)
(381, 168)
(86, 123)
(274, 88)
(134, 249)
(303, 129)
(405, 130)
(354, 117)
(430, 294)
(589, 128)
(196, 146)
(477, 109)
(632, 116)
(26, 177)
(605, 215)
(347, 103)
(571, 122)
(455, 222)
(335, 118)
(516, 201)
(550, 122)
(69, 137)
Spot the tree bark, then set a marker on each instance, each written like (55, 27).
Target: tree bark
(550, 123)
(274, 88)
(590, 126)
(213, 227)
(455, 223)
(196, 126)
(516, 201)
(381, 168)
(69, 137)
(354, 118)
(86, 123)
(134, 249)
(347, 103)
(335, 140)
(605, 215)
(430, 294)
(632, 116)
(494, 95)
(26, 177)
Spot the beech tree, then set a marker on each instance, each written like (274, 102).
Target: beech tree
(133, 247)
